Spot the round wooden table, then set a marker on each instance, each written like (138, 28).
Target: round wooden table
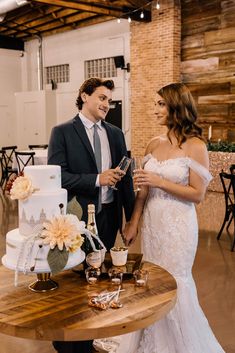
(64, 315)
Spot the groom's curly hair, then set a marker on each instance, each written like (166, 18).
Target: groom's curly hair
(89, 87)
(182, 112)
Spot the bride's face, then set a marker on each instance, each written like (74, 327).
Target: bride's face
(161, 110)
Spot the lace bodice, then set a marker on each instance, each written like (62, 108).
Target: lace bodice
(176, 170)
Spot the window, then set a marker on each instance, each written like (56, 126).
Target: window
(103, 68)
(57, 73)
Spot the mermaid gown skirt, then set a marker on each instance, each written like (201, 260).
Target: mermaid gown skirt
(169, 237)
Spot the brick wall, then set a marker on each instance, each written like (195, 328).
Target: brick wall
(155, 61)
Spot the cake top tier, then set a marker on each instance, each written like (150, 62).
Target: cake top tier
(44, 177)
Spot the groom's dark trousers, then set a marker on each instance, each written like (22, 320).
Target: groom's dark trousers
(73, 347)
(109, 232)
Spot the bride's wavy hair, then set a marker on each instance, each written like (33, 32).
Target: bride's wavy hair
(182, 112)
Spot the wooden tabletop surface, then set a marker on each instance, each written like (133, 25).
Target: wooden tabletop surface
(63, 314)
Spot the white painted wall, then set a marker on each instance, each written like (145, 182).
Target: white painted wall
(103, 40)
(10, 82)
(19, 74)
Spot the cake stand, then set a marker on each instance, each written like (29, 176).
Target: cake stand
(43, 283)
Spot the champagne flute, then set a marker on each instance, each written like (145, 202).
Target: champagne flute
(123, 165)
(136, 163)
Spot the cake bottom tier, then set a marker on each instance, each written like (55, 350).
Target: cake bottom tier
(25, 255)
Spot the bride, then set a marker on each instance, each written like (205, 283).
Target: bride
(174, 178)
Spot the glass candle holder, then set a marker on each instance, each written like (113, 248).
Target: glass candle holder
(92, 274)
(115, 275)
(141, 278)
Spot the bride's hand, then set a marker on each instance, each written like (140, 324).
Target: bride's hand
(129, 234)
(145, 178)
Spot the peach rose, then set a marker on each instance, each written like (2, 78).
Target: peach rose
(21, 188)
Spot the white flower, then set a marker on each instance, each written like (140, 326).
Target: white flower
(63, 231)
(21, 188)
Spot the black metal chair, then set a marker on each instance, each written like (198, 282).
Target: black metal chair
(23, 159)
(228, 183)
(34, 147)
(232, 168)
(7, 154)
(2, 170)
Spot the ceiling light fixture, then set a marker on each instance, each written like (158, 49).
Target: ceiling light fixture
(139, 10)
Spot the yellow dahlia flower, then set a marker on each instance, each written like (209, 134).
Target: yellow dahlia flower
(63, 231)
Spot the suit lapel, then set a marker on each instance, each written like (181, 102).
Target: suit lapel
(80, 129)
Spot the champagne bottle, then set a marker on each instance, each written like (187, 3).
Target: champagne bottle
(94, 258)
(91, 222)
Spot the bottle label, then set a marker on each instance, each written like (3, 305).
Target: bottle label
(94, 259)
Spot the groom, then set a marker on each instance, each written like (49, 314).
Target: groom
(88, 165)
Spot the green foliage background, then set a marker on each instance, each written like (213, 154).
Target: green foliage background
(221, 146)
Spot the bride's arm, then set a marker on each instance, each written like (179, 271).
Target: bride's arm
(195, 190)
(131, 228)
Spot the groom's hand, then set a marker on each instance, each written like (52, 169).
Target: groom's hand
(111, 176)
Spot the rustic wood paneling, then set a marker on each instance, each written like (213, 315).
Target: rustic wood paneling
(201, 26)
(221, 36)
(227, 14)
(214, 112)
(208, 89)
(207, 51)
(200, 65)
(229, 98)
(227, 61)
(208, 62)
(217, 76)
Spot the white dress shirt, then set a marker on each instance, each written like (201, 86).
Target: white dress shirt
(106, 192)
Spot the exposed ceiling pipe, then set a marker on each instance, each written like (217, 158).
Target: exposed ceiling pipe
(8, 5)
(40, 64)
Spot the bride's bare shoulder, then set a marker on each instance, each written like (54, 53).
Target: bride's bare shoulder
(154, 143)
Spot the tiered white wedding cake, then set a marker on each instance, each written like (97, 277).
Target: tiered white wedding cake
(44, 227)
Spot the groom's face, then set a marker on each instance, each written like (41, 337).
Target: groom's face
(96, 106)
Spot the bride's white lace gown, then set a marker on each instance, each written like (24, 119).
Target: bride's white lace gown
(169, 238)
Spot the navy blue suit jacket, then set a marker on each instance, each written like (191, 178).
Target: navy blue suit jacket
(70, 148)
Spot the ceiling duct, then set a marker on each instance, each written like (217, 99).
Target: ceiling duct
(8, 5)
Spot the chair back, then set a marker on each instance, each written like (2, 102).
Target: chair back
(8, 153)
(232, 168)
(2, 170)
(228, 183)
(34, 147)
(23, 159)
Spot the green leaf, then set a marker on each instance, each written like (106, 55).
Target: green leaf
(221, 146)
(57, 259)
(74, 208)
